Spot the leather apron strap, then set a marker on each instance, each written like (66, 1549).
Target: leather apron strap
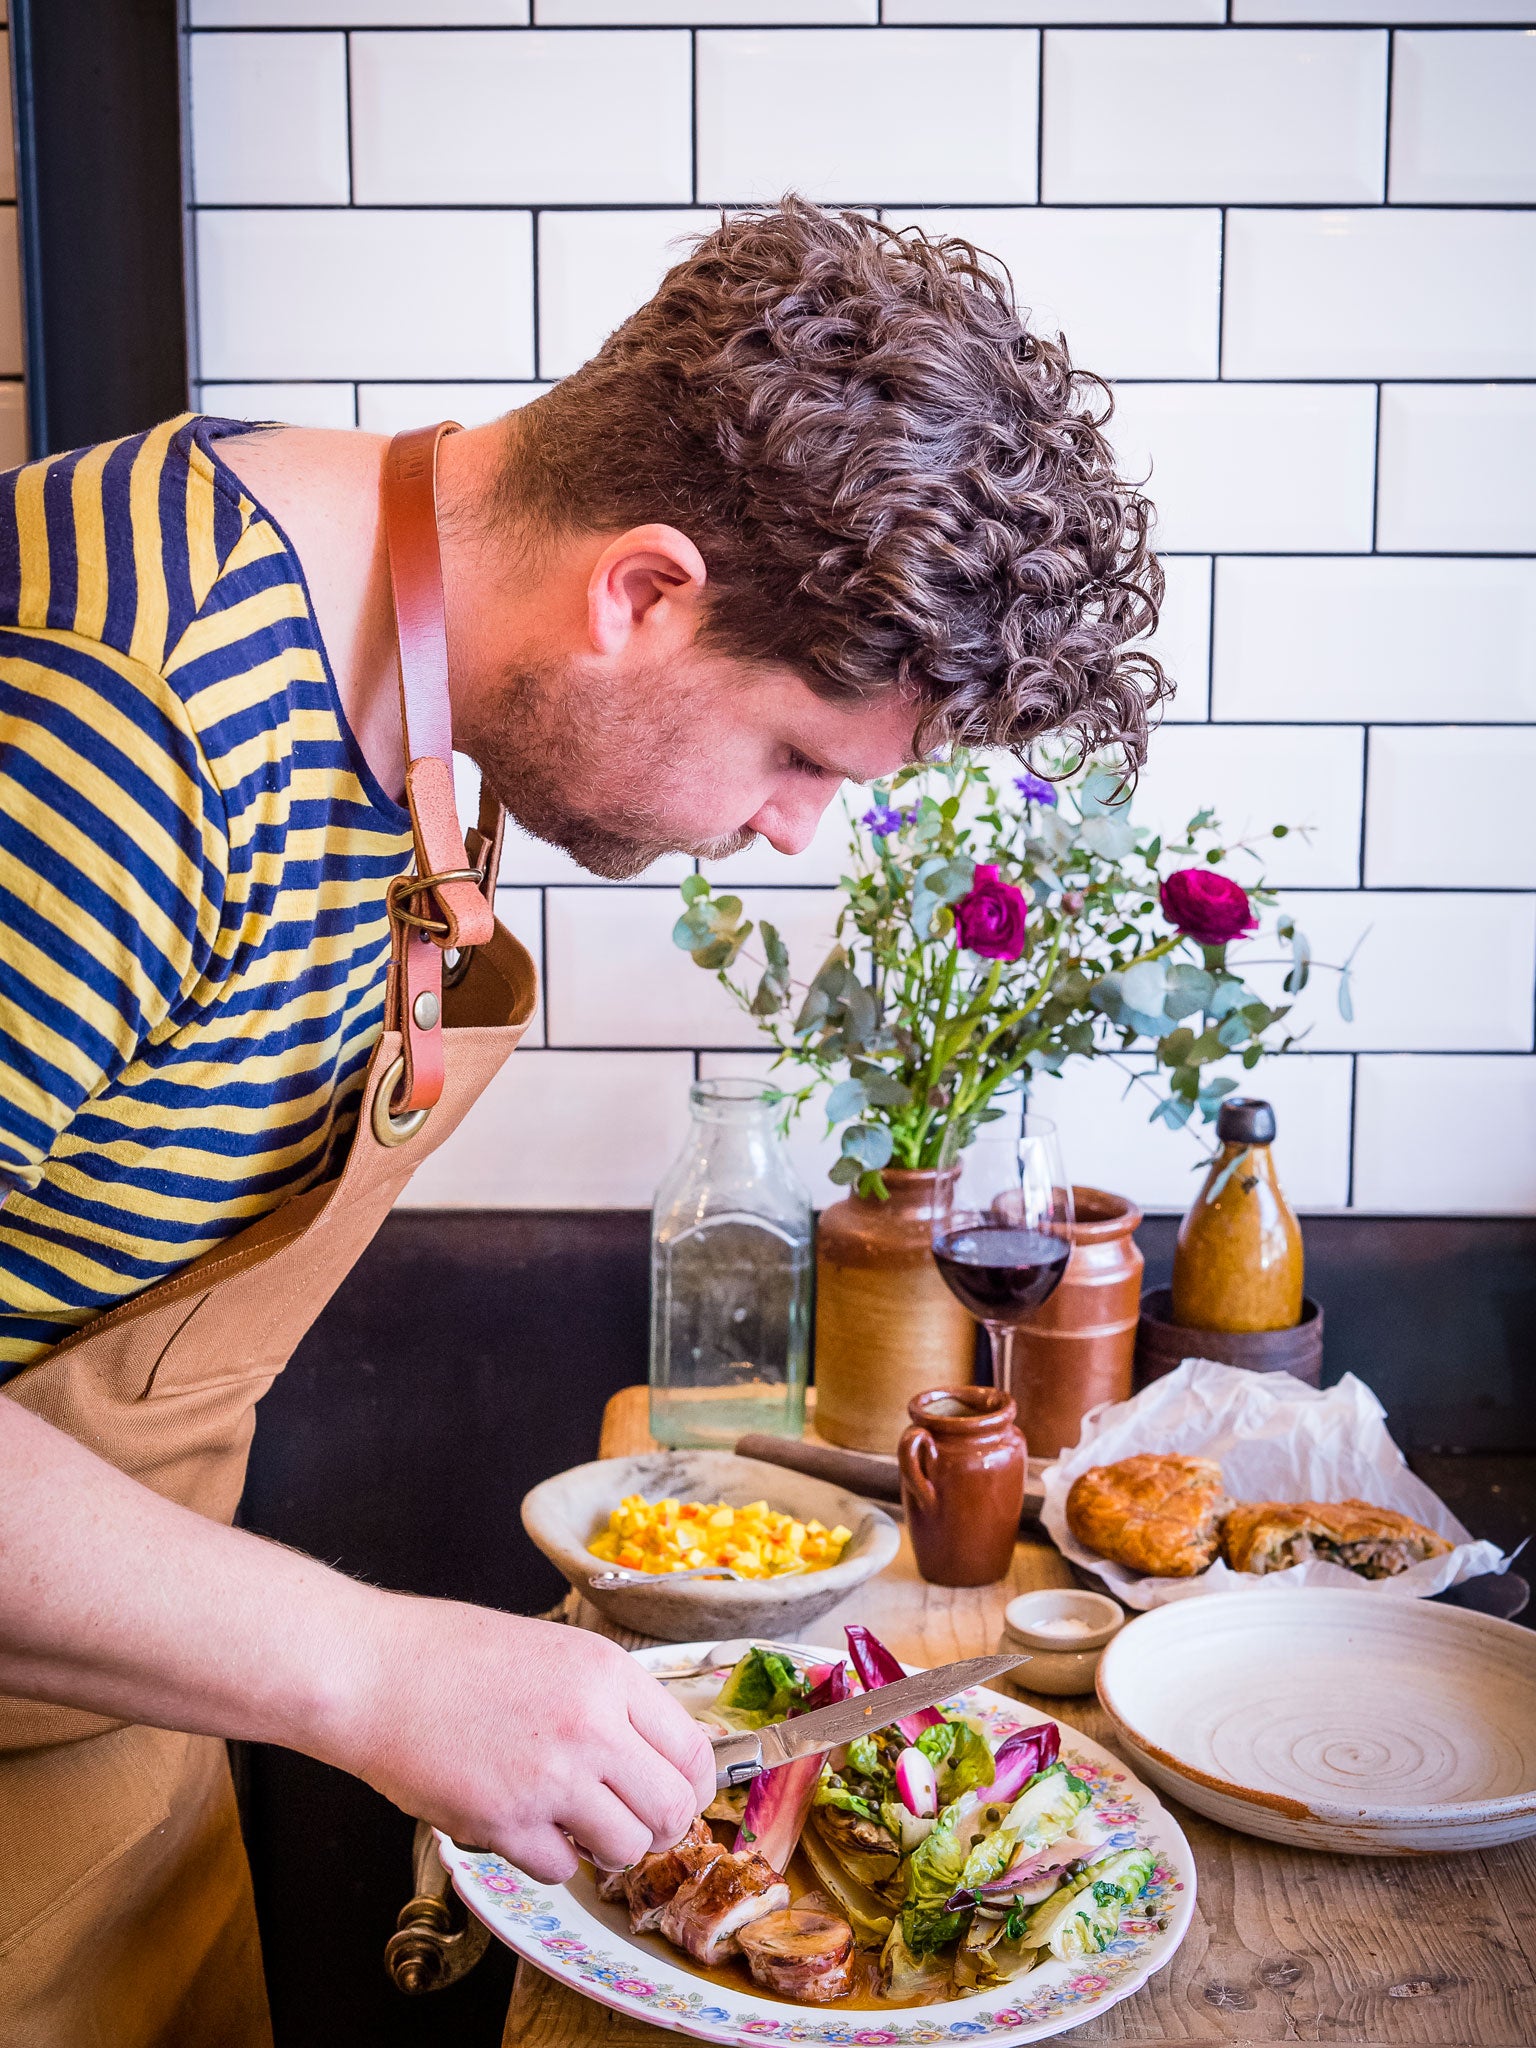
(447, 904)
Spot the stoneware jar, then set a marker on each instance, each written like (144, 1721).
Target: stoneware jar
(963, 1466)
(1079, 1347)
(886, 1325)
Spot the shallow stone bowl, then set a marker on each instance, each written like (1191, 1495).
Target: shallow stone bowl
(1390, 1726)
(563, 1514)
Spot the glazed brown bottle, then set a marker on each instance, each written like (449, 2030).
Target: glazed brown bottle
(1238, 1265)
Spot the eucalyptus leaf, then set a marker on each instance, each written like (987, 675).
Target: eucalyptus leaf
(1144, 986)
(693, 887)
(1111, 838)
(870, 1144)
(848, 1098)
(1102, 791)
(1174, 1114)
(1225, 997)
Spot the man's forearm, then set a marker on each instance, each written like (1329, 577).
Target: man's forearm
(499, 1729)
(116, 1600)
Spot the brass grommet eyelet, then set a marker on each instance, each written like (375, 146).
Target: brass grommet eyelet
(389, 1129)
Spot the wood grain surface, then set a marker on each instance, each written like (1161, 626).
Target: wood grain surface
(1286, 1945)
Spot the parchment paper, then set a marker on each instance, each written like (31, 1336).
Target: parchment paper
(1275, 1439)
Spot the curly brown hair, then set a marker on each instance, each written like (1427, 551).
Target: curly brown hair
(891, 480)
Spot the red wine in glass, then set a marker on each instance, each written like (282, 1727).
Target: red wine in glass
(999, 1271)
(1002, 1230)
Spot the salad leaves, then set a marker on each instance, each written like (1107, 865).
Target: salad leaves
(964, 1867)
(765, 1686)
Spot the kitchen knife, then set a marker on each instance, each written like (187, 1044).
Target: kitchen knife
(741, 1757)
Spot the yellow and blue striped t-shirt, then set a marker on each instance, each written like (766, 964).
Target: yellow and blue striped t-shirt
(193, 864)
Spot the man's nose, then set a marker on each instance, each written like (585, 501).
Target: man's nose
(788, 823)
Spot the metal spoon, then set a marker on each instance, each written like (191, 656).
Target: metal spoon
(615, 1581)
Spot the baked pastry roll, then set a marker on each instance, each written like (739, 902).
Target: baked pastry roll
(1151, 1513)
(1268, 1535)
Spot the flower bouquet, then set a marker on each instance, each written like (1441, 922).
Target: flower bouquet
(990, 933)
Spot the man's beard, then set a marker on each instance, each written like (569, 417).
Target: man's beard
(548, 741)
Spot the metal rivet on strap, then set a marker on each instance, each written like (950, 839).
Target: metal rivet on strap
(426, 1010)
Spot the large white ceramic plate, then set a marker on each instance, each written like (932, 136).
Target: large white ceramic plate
(569, 1933)
(1370, 1727)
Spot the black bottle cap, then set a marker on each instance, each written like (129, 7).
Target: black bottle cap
(1245, 1120)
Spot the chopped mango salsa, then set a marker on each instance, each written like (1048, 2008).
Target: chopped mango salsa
(757, 1541)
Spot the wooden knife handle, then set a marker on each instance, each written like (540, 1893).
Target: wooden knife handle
(863, 1472)
(855, 1471)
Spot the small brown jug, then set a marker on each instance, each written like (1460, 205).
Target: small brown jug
(963, 1465)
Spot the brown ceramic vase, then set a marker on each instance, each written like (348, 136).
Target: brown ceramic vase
(963, 1466)
(886, 1325)
(1079, 1347)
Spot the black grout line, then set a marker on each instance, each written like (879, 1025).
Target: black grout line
(535, 238)
(1376, 477)
(1221, 290)
(942, 205)
(312, 26)
(693, 115)
(1349, 1157)
(1040, 121)
(1365, 785)
(1386, 125)
(346, 79)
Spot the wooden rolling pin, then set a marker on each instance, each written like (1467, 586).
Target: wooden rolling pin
(862, 1472)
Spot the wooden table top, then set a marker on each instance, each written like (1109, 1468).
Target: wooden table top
(1287, 1944)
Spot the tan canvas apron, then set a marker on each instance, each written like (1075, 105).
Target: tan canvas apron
(126, 1918)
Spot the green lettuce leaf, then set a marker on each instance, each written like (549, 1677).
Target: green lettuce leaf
(830, 1792)
(764, 1686)
(925, 1931)
(1083, 1917)
(1043, 1812)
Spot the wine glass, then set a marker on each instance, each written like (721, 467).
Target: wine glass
(1002, 1229)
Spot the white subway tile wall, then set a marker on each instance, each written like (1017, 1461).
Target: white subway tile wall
(1296, 235)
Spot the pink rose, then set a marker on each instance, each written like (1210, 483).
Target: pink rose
(1206, 906)
(990, 919)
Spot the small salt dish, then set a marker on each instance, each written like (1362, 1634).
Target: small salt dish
(1064, 1632)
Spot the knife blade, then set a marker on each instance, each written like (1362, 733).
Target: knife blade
(740, 1757)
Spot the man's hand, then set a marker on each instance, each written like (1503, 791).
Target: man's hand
(522, 1736)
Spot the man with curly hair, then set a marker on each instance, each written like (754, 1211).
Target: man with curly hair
(821, 506)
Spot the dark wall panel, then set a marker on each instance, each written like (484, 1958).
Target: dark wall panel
(98, 146)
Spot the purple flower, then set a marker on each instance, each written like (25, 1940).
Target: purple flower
(1035, 789)
(990, 919)
(883, 820)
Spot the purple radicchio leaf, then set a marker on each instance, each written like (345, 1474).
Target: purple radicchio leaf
(779, 1802)
(1023, 1756)
(876, 1666)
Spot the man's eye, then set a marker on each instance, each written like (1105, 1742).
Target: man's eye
(803, 765)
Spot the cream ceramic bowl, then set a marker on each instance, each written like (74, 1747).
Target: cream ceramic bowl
(563, 1514)
(1059, 1664)
(1368, 1727)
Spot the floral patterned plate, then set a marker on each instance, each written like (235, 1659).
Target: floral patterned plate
(570, 1934)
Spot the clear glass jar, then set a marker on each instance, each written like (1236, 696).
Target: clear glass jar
(731, 1262)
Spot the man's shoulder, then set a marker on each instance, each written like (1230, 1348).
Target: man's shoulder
(127, 544)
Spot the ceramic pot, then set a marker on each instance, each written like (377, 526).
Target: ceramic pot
(886, 1325)
(1162, 1344)
(963, 1465)
(1079, 1347)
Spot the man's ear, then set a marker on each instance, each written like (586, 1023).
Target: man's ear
(650, 580)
